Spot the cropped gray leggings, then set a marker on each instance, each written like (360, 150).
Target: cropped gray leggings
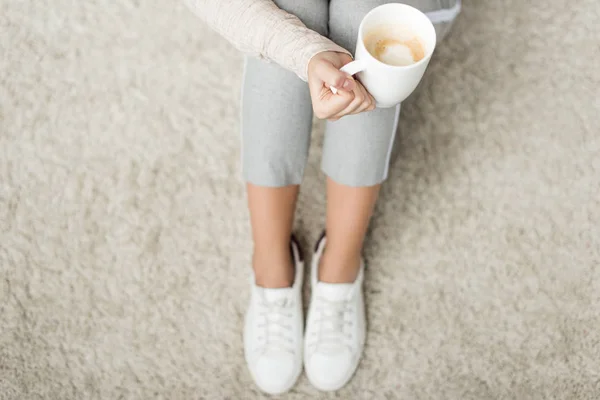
(277, 110)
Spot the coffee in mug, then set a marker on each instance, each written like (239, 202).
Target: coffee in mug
(394, 45)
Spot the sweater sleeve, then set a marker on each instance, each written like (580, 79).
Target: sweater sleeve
(260, 28)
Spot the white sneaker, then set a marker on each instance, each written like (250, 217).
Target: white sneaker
(273, 332)
(335, 328)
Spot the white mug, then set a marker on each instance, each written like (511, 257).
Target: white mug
(389, 84)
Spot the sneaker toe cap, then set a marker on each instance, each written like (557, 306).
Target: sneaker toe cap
(330, 371)
(275, 374)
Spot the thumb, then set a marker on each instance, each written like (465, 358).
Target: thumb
(332, 76)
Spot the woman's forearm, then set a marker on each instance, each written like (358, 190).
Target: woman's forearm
(261, 28)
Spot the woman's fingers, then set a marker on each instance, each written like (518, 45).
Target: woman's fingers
(332, 76)
(329, 105)
(359, 97)
(367, 104)
(362, 102)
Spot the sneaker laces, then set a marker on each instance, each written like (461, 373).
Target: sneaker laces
(332, 324)
(276, 327)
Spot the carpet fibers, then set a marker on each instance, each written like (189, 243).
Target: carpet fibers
(124, 236)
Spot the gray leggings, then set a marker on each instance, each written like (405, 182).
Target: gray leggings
(277, 110)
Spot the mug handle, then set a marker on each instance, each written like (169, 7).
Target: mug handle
(351, 68)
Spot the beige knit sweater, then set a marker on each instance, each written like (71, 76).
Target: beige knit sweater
(260, 28)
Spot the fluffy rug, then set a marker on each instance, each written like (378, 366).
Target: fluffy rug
(124, 237)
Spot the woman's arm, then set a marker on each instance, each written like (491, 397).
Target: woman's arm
(261, 28)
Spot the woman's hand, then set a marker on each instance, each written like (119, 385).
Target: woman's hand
(351, 98)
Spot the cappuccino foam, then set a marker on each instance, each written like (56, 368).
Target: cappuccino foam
(394, 45)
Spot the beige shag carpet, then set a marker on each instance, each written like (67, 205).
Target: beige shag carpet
(124, 241)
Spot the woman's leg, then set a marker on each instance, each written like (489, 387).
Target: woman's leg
(356, 153)
(276, 123)
(276, 126)
(349, 210)
(271, 217)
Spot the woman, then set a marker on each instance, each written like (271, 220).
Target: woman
(296, 49)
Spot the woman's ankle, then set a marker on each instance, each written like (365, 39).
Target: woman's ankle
(342, 267)
(273, 269)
